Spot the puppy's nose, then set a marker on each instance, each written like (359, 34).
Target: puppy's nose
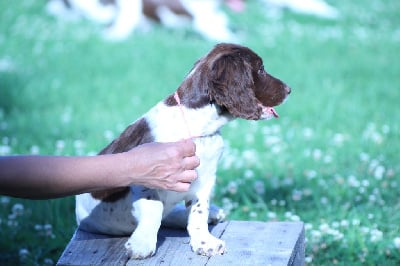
(288, 89)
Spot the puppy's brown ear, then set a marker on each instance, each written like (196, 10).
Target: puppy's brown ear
(232, 86)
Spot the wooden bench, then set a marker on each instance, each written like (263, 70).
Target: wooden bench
(248, 243)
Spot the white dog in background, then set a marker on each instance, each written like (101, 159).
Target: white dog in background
(123, 17)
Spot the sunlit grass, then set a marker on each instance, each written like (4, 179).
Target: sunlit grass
(331, 160)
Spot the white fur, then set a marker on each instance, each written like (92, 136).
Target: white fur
(167, 124)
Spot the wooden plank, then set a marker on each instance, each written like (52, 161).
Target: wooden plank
(259, 243)
(173, 248)
(248, 243)
(94, 249)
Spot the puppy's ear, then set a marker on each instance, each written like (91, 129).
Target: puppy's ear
(232, 86)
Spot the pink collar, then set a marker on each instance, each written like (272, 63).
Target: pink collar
(178, 101)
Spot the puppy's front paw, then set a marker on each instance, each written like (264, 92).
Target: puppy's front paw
(208, 246)
(140, 247)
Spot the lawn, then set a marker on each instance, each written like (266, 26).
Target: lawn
(331, 159)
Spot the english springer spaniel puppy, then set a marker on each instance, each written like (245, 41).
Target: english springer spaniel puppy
(124, 16)
(229, 82)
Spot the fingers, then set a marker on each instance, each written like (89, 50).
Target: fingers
(187, 178)
(188, 146)
(190, 163)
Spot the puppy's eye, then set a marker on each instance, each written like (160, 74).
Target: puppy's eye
(261, 70)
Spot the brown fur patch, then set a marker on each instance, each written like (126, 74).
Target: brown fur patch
(134, 135)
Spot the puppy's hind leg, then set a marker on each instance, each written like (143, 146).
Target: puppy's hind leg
(178, 217)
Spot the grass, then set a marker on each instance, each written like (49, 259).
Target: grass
(331, 160)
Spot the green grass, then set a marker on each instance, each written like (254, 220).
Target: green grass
(331, 160)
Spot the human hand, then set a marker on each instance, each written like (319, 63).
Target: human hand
(169, 166)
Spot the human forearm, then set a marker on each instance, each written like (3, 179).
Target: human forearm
(57, 176)
(154, 165)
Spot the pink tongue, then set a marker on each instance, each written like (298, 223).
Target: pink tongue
(274, 112)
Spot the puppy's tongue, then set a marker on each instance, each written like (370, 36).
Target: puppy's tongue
(272, 111)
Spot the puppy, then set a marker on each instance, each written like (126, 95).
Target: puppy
(229, 82)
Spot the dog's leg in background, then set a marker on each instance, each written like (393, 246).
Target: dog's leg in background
(209, 20)
(148, 214)
(128, 17)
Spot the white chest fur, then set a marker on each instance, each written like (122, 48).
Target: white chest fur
(178, 122)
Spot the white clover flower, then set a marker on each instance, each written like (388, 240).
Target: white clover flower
(385, 129)
(372, 198)
(295, 218)
(259, 187)
(79, 145)
(250, 155)
(249, 174)
(315, 235)
(365, 183)
(376, 235)
(66, 117)
(317, 154)
(324, 200)
(344, 223)
(324, 227)
(365, 230)
(364, 157)
(272, 140)
(48, 262)
(23, 254)
(338, 139)
(232, 187)
(308, 226)
(308, 132)
(249, 138)
(5, 150)
(108, 135)
(38, 227)
(253, 214)
(288, 214)
(379, 172)
(60, 145)
(297, 195)
(310, 174)
(396, 242)
(335, 224)
(48, 230)
(271, 215)
(353, 182)
(18, 209)
(35, 150)
(4, 200)
(327, 158)
(276, 149)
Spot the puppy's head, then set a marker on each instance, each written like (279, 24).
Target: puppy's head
(234, 78)
(241, 84)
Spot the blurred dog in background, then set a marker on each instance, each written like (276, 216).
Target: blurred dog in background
(122, 17)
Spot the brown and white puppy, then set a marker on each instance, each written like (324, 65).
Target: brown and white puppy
(229, 82)
(124, 16)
